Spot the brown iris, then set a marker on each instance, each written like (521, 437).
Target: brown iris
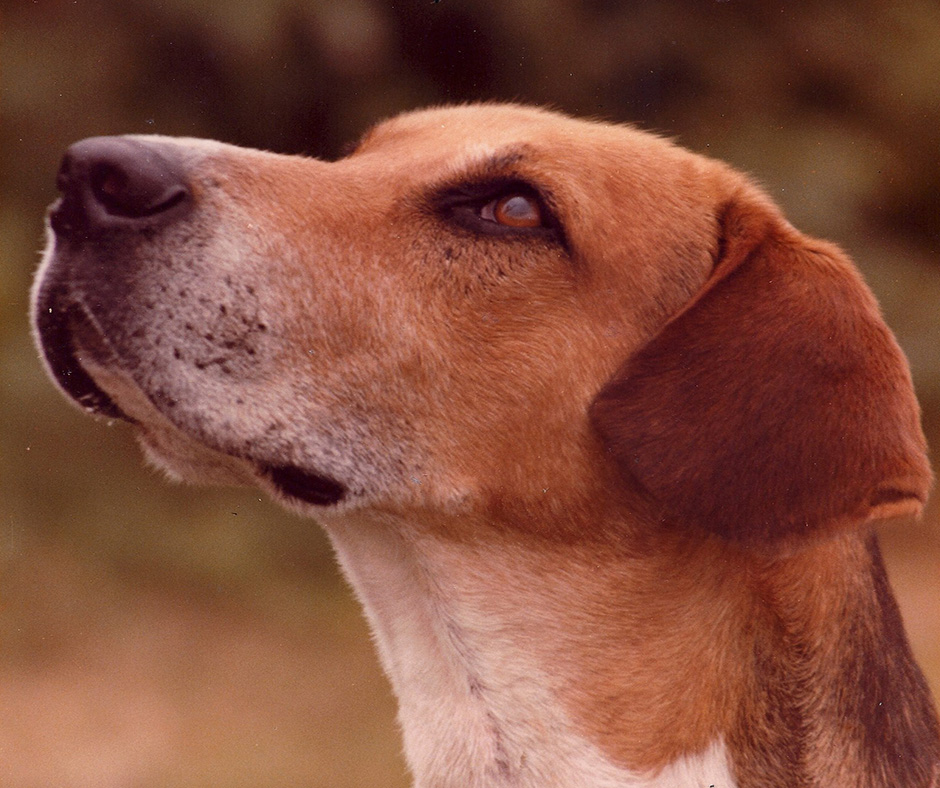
(513, 210)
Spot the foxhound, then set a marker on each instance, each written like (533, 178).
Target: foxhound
(598, 436)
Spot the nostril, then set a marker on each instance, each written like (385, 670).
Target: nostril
(111, 182)
(133, 194)
(109, 185)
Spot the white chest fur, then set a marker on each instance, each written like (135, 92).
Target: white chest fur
(477, 708)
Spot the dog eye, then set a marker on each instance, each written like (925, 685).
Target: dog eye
(501, 207)
(513, 210)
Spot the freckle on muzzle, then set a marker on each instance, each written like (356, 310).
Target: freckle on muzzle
(110, 186)
(121, 200)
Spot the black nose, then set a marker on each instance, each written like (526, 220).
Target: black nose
(113, 183)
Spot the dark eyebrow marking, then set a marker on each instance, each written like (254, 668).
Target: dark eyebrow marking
(496, 168)
(502, 163)
(504, 159)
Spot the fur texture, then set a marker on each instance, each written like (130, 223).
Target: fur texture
(603, 481)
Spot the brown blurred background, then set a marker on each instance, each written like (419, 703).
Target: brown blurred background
(157, 635)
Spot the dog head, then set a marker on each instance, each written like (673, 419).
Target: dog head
(478, 304)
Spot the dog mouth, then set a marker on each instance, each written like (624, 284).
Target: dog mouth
(68, 332)
(298, 484)
(76, 351)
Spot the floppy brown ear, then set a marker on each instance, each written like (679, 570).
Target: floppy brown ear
(777, 402)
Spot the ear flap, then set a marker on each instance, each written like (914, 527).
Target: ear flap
(777, 402)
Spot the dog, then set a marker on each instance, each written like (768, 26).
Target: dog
(598, 436)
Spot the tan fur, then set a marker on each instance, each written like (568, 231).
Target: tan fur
(603, 491)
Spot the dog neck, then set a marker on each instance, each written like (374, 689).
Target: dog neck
(674, 662)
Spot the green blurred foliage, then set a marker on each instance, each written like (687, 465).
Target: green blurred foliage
(835, 107)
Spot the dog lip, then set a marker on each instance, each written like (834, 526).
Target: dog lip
(64, 327)
(302, 485)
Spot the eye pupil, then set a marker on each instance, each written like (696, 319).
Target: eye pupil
(517, 210)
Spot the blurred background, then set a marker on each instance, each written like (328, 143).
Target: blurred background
(158, 635)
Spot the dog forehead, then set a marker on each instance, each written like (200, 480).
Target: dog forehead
(605, 177)
(490, 127)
